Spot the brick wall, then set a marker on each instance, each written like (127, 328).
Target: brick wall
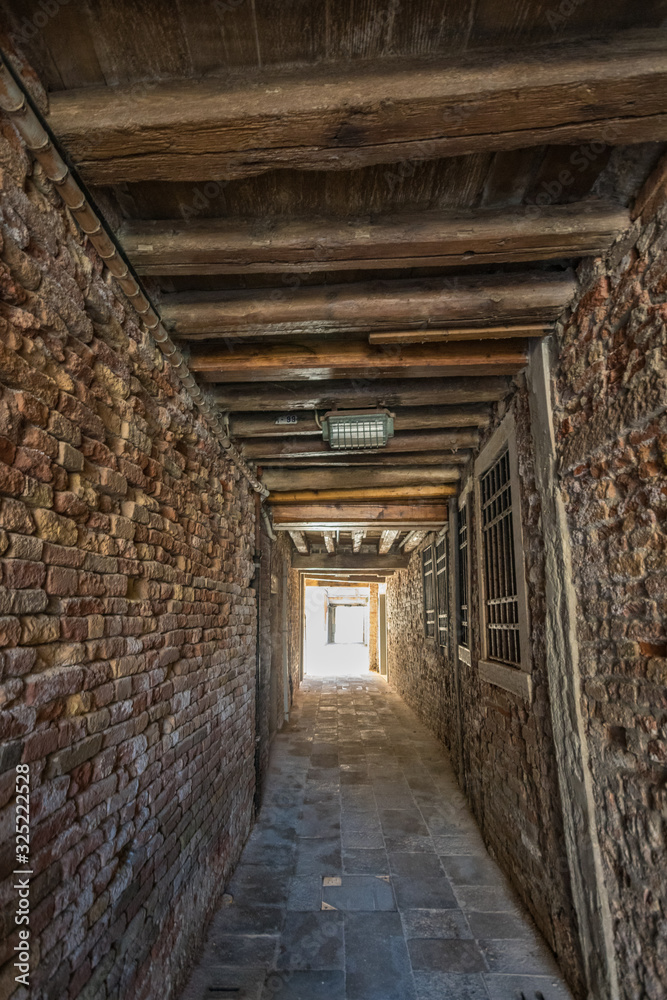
(611, 397)
(127, 625)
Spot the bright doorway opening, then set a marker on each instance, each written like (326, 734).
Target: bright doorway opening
(337, 631)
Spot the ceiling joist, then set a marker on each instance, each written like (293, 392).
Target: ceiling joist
(364, 306)
(239, 246)
(346, 360)
(334, 117)
(276, 425)
(346, 394)
(407, 441)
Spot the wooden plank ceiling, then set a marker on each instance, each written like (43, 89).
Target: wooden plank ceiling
(342, 204)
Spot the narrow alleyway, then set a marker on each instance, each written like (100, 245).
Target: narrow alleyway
(365, 877)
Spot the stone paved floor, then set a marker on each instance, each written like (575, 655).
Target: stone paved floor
(365, 877)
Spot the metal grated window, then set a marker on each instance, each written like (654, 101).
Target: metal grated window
(500, 577)
(429, 592)
(464, 620)
(442, 588)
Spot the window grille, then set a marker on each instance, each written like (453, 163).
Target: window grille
(464, 620)
(501, 598)
(442, 588)
(429, 592)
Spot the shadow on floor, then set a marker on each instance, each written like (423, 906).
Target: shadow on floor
(365, 877)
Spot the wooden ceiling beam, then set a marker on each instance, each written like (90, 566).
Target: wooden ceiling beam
(358, 536)
(387, 539)
(415, 538)
(362, 307)
(300, 542)
(276, 425)
(259, 449)
(361, 560)
(329, 541)
(291, 396)
(327, 479)
(368, 493)
(345, 515)
(460, 333)
(237, 246)
(368, 460)
(346, 360)
(335, 117)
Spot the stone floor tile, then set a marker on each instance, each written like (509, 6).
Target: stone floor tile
(362, 861)
(446, 955)
(502, 987)
(416, 865)
(487, 898)
(312, 941)
(244, 949)
(376, 958)
(426, 923)
(519, 956)
(461, 842)
(369, 839)
(318, 856)
(409, 844)
(207, 980)
(305, 986)
(426, 893)
(449, 986)
(305, 893)
(501, 925)
(360, 892)
(244, 919)
(472, 869)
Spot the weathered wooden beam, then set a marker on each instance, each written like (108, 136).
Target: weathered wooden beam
(414, 539)
(369, 460)
(300, 542)
(329, 541)
(387, 539)
(348, 525)
(337, 117)
(331, 479)
(234, 246)
(458, 333)
(368, 493)
(362, 307)
(278, 424)
(358, 536)
(361, 560)
(292, 396)
(344, 581)
(349, 360)
(346, 515)
(407, 441)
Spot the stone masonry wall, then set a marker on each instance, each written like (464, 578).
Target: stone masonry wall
(127, 625)
(508, 760)
(611, 424)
